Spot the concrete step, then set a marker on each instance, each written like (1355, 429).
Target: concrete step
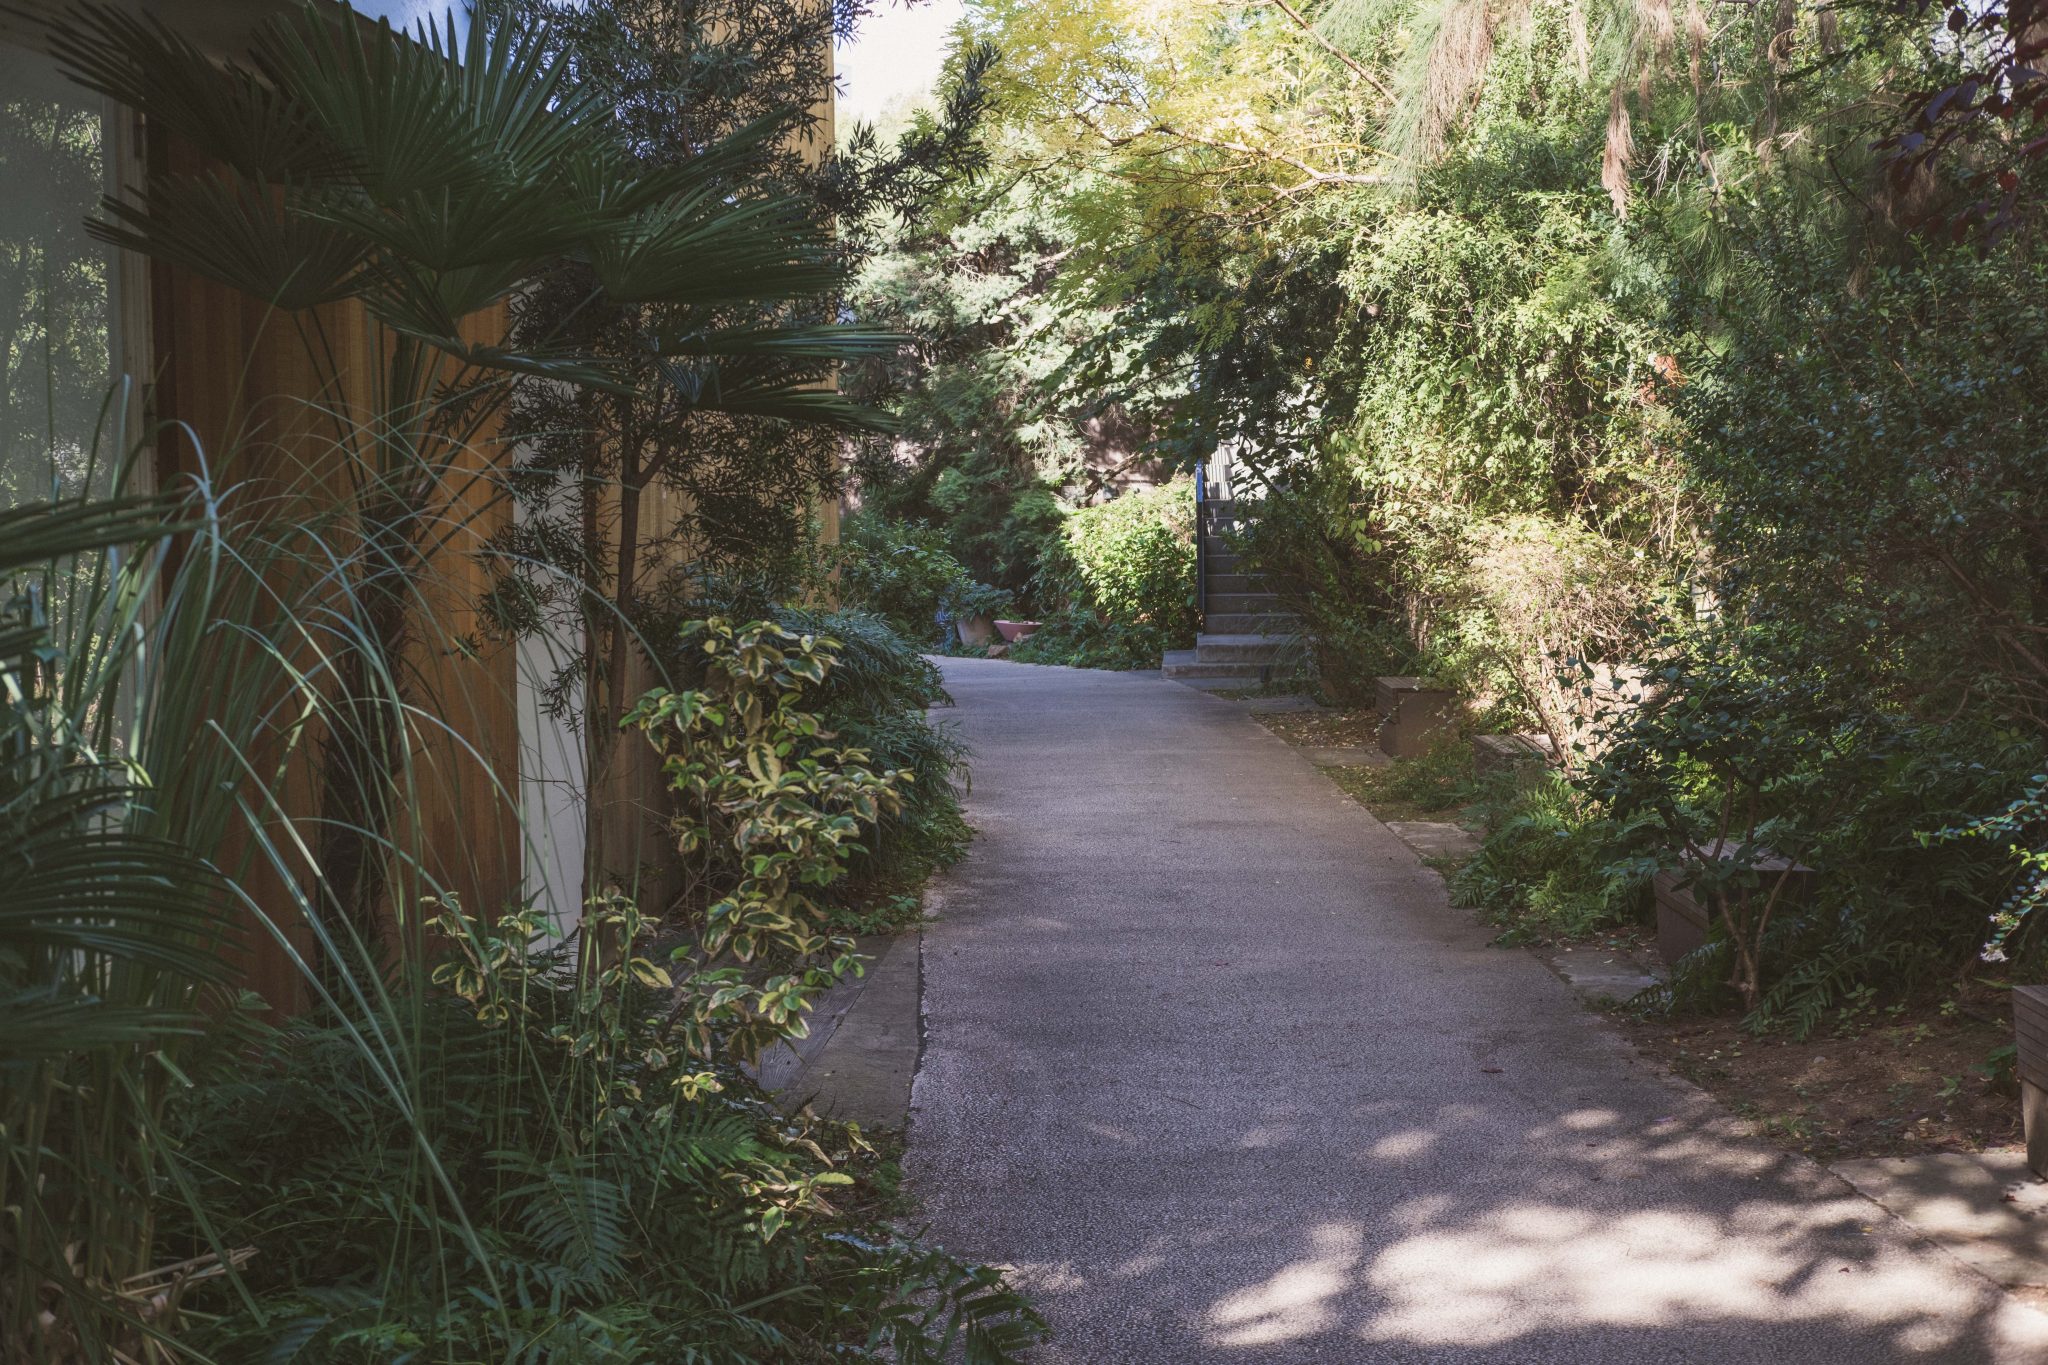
(1226, 512)
(1236, 682)
(1249, 649)
(1182, 665)
(1235, 583)
(1216, 564)
(1233, 603)
(1251, 623)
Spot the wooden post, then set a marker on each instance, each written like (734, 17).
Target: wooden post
(2030, 1024)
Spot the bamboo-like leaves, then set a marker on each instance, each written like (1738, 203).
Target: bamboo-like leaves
(37, 533)
(83, 882)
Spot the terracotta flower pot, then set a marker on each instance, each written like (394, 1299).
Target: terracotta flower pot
(975, 630)
(1013, 631)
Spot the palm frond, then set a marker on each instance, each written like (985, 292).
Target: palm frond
(240, 119)
(37, 533)
(241, 233)
(699, 249)
(824, 342)
(752, 388)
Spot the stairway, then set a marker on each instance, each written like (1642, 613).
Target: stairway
(1246, 638)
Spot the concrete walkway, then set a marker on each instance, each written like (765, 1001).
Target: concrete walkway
(1209, 1061)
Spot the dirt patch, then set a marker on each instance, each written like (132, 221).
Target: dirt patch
(1323, 729)
(1402, 791)
(1869, 1082)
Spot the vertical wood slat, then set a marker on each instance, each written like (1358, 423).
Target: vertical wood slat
(237, 388)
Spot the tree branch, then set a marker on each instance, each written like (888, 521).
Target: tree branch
(1357, 67)
(1315, 174)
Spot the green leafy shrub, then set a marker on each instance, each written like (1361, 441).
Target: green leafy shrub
(1080, 638)
(1881, 467)
(1330, 568)
(1736, 758)
(875, 697)
(770, 808)
(1131, 560)
(1553, 866)
(572, 1165)
(1749, 745)
(1122, 574)
(901, 572)
(598, 1191)
(967, 600)
(2022, 829)
(1898, 907)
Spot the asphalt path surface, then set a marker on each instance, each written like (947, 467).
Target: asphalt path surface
(1212, 1065)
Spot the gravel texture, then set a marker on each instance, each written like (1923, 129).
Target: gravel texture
(1209, 1061)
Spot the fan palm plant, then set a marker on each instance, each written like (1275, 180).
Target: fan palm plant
(428, 180)
(115, 941)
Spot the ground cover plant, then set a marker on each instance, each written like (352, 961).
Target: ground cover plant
(610, 1185)
(606, 1191)
(903, 573)
(1555, 865)
(518, 1146)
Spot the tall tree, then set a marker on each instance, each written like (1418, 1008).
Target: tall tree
(633, 496)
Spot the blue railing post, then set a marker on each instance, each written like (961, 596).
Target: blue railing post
(1202, 544)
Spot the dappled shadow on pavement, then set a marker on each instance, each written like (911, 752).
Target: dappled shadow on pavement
(1210, 1061)
(1631, 1252)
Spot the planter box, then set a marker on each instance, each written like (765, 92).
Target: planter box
(1685, 923)
(1411, 716)
(2030, 1027)
(1503, 753)
(975, 630)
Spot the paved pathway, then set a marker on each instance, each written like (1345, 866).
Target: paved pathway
(1209, 1061)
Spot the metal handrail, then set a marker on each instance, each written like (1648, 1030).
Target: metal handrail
(1202, 544)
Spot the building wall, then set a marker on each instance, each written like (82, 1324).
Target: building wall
(242, 393)
(239, 388)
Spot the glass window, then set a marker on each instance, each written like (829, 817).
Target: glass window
(56, 285)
